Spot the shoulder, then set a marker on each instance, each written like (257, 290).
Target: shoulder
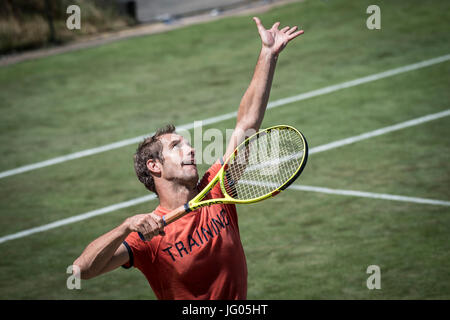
(210, 173)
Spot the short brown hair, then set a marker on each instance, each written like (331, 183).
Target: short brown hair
(150, 148)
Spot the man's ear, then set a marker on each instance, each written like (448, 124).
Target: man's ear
(154, 166)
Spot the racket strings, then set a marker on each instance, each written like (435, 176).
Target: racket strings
(264, 164)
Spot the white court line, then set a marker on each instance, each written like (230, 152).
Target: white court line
(352, 193)
(79, 217)
(231, 115)
(372, 195)
(330, 146)
(367, 135)
(379, 132)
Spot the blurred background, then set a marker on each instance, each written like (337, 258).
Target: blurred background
(27, 24)
(373, 104)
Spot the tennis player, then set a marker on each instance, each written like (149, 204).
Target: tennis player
(199, 256)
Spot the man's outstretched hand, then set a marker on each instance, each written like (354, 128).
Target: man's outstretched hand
(276, 40)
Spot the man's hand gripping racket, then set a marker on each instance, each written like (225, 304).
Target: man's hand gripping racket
(262, 166)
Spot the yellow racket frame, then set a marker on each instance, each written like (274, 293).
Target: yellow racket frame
(196, 202)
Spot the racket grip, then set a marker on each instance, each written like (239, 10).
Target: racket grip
(176, 214)
(172, 216)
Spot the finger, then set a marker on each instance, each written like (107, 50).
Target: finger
(145, 228)
(143, 234)
(160, 223)
(154, 229)
(291, 30)
(259, 25)
(285, 29)
(275, 26)
(296, 34)
(159, 220)
(138, 224)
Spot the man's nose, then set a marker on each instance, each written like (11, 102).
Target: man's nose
(189, 150)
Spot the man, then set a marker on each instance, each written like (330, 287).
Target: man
(199, 256)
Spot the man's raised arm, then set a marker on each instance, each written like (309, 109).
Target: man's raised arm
(254, 102)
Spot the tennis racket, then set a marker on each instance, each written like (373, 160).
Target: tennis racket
(262, 166)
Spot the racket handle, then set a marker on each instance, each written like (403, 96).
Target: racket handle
(176, 214)
(172, 216)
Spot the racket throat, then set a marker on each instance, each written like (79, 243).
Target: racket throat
(187, 208)
(176, 214)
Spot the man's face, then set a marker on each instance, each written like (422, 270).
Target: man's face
(179, 159)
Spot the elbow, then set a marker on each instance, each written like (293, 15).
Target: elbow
(81, 270)
(248, 126)
(250, 117)
(86, 275)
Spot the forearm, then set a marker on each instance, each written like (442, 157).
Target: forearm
(254, 102)
(99, 252)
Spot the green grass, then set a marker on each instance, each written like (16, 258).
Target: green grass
(299, 245)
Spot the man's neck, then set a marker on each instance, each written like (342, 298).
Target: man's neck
(174, 195)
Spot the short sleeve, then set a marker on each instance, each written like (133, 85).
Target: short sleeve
(130, 262)
(215, 192)
(138, 250)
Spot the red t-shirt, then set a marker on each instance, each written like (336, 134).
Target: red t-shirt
(201, 255)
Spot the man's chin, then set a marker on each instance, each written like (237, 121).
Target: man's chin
(190, 169)
(195, 176)
(188, 177)
(192, 176)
